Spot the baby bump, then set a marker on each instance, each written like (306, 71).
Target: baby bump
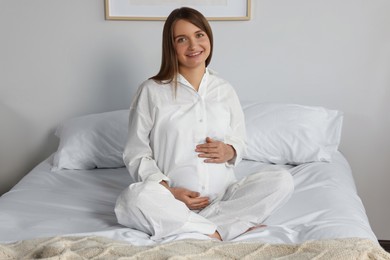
(220, 177)
(184, 176)
(210, 180)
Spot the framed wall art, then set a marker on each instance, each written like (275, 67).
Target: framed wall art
(223, 10)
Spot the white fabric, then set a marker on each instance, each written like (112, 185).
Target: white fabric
(291, 133)
(279, 133)
(324, 205)
(150, 207)
(166, 126)
(92, 141)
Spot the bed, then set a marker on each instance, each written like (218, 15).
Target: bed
(64, 207)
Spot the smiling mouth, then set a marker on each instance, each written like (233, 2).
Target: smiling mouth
(194, 54)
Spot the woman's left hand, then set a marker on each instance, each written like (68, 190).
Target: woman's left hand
(215, 151)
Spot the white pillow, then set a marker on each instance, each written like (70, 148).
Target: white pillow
(290, 133)
(92, 141)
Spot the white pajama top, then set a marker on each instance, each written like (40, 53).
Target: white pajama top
(165, 127)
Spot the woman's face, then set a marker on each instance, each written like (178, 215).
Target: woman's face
(192, 45)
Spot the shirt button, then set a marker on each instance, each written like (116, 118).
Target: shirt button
(201, 120)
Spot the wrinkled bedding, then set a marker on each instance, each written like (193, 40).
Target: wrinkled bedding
(325, 205)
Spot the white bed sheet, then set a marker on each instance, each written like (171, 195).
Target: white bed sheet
(324, 205)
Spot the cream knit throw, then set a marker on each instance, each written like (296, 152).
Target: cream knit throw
(102, 248)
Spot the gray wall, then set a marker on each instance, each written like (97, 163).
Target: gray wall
(60, 59)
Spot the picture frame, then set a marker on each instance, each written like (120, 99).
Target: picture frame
(158, 10)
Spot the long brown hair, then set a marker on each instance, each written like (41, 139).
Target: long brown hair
(169, 64)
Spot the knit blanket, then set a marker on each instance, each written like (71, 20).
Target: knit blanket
(92, 247)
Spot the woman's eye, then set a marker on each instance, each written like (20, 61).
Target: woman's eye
(180, 40)
(199, 35)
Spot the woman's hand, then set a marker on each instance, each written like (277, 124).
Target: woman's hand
(215, 151)
(188, 197)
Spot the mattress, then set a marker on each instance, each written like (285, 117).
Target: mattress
(46, 203)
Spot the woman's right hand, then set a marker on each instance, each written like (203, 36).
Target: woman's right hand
(188, 197)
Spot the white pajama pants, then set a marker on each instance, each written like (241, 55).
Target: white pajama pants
(151, 208)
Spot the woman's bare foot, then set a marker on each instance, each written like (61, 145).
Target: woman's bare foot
(255, 227)
(216, 235)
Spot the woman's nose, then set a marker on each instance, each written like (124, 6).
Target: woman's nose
(192, 44)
